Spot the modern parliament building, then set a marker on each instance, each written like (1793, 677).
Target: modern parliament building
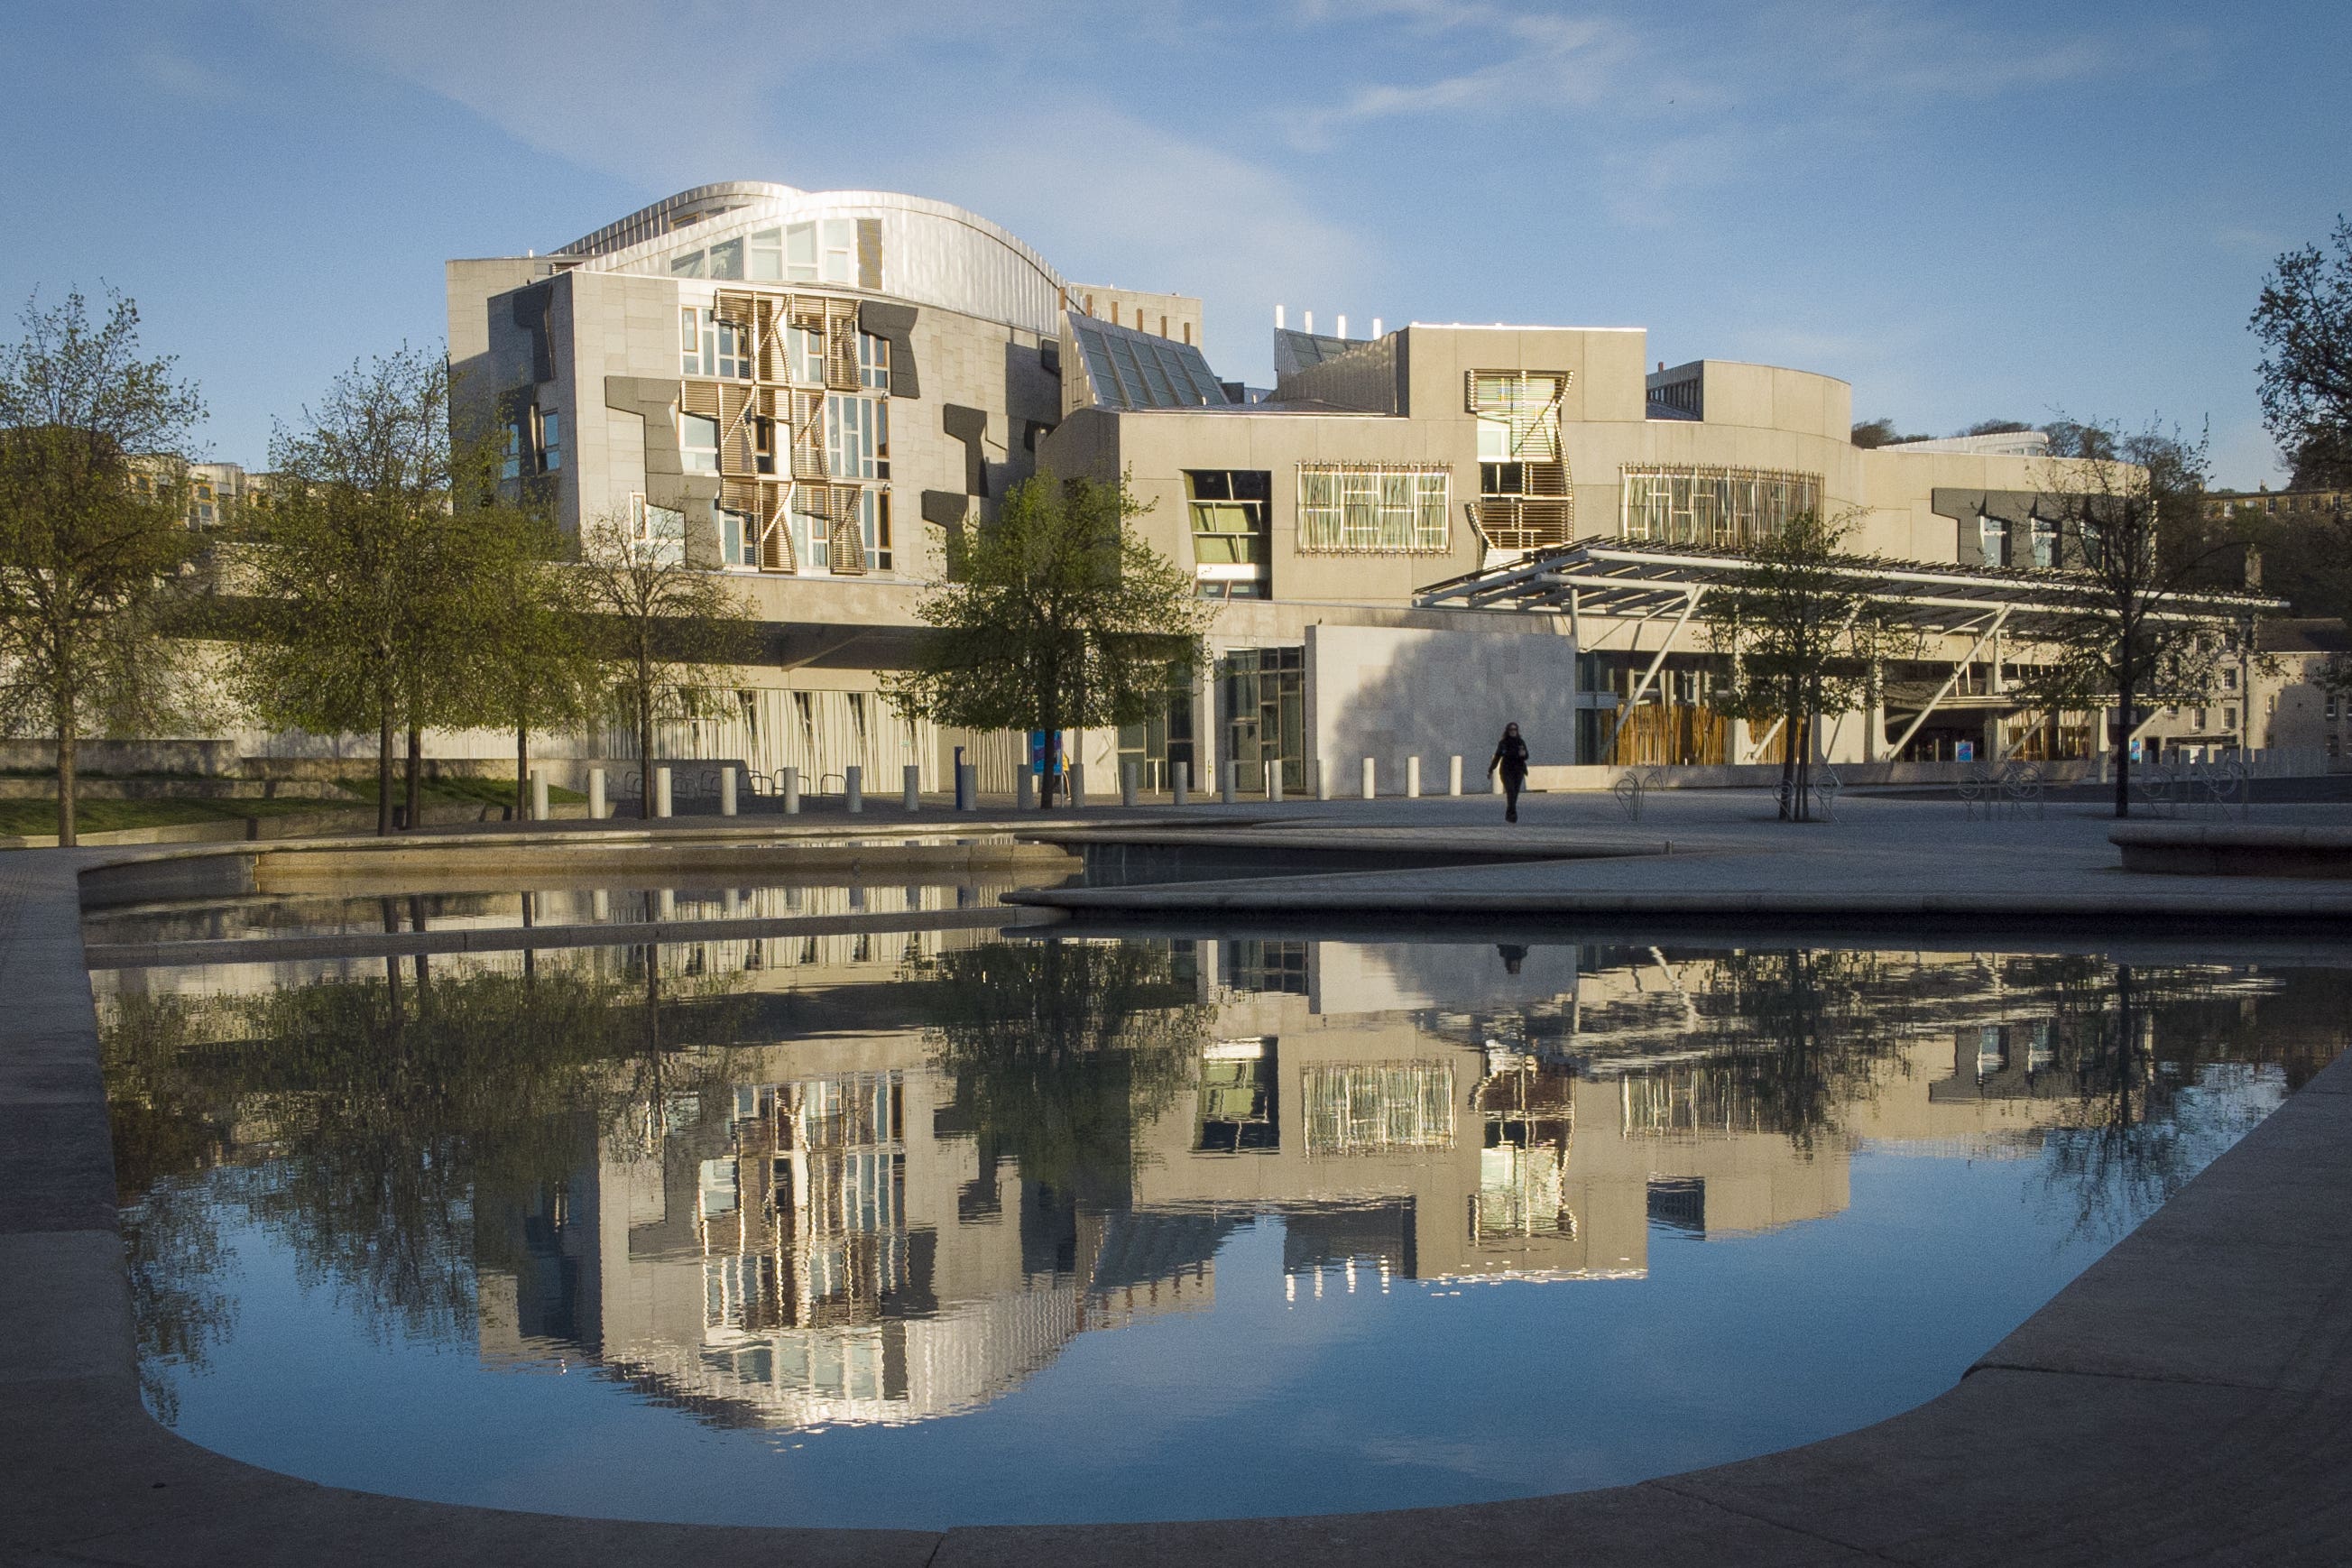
(1411, 539)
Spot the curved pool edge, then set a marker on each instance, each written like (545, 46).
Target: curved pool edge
(2188, 1396)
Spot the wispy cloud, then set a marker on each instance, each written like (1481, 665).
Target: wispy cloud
(189, 81)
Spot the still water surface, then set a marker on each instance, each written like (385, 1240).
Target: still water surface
(951, 1229)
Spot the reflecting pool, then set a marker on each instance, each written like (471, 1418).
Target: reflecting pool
(951, 1227)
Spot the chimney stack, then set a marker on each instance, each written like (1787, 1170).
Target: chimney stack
(1307, 317)
(1376, 326)
(1342, 329)
(1277, 317)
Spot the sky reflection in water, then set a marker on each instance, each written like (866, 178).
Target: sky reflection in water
(950, 1228)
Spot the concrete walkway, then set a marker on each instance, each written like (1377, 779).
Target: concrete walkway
(2189, 1399)
(1729, 858)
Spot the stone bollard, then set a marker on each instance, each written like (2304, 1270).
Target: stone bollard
(538, 811)
(1074, 778)
(1413, 778)
(1179, 783)
(595, 795)
(967, 787)
(853, 788)
(666, 901)
(1495, 782)
(727, 801)
(1129, 780)
(1322, 779)
(1229, 785)
(1274, 783)
(600, 902)
(911, 785)
(791, 792)
(730, 902)
(1370, 774)
(1453, 774)
(661, 792)
(1024, 789)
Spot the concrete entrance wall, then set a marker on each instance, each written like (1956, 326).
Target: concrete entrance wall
(1391, 692)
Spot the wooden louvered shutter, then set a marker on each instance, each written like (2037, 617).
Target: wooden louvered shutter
(841, 345)
(849, 537)
(808, 434)
(775, 528)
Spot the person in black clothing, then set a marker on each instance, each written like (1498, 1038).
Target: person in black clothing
(1511, 757)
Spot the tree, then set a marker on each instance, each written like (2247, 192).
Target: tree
(536, 656)
(2124, 625)
(1873, 433)
(2303, 320)
(1995, 427)
(87, 559)
(364, 567)
(660, 625)
(1060, 617)
(1803, 634)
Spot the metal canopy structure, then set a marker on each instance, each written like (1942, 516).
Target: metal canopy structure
(1637, 578)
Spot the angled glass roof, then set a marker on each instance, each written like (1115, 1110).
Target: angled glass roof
(1136, 369)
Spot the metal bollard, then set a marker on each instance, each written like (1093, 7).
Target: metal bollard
(1024, 790)
(1129, 780)
(1179, 783)
(661, 792)
(727, 790)
(911, 785)
(595, 795)
(853, 787)
(1370, 790)
(967, 787)
(1274, 783)
(791, 792)
(1228, 786)
(1453, 774)
(1322, 779)
(1413, 778)
(538, 811)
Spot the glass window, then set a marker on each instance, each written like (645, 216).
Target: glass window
(764, 262)
(2045, 544)
(858, 438)
(726, 259)
(1992, 535)
(710, 346)
(698, 442)
(550, 441)
(804, 355)
(510, 461)
(763, 445)
(738, 538)
(799, 252)
(657, 532)
(811, 535)
(873, 519)
(840, 260)
(1384, 508)
(873, 362)
(1732, 508)
(687, 264)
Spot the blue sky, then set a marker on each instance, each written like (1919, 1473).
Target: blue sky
(1969, 211)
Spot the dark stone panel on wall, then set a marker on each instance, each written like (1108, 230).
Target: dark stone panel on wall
(530, 307)
(968, 425)
(667, 483)
(1034, 431)
(1049, 359)
(945, 507)
(895, 325)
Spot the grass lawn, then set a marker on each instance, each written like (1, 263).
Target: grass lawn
(455, 792)
(40, 816)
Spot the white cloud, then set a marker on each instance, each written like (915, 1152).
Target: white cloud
(189, 81)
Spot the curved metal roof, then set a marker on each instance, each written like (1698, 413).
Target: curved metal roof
(935, 253)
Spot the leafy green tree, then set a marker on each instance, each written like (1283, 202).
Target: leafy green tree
(2304, 321)
(364, 580)
(88, 559)
(1059, 617)
(1802, 634)
(536, 666)
(660, 626)
(2134, 619)
(1060, 1048)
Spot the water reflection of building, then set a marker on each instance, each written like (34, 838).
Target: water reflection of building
(825, 1229)
(831, 1238)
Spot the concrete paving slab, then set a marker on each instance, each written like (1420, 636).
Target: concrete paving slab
(66, 1312)
(57, 1168)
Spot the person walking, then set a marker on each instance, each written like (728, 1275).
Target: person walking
(1511, 758)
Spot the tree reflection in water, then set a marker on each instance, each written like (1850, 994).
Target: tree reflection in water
(1059, 1048)
(370, 1121)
